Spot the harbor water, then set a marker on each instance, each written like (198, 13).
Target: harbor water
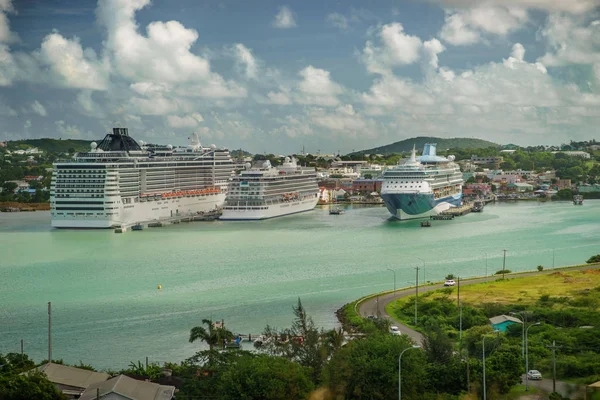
(107, 310)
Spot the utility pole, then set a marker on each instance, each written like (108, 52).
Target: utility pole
(21, 346)
(554, 347)
(416, 295)
(553, 258)
(49, 332)
(459, 312)
(504, 264)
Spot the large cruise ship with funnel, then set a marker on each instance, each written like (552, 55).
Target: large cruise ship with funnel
(422, 186)
(121, 182)
(265, 191)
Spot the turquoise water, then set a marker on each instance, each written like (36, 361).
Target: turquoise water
(107, 310)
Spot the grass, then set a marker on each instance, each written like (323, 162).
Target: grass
(526, 290)
(519, 390)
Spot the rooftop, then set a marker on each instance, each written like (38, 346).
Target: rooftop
(71, 376)
(129, 388)
(504, 318)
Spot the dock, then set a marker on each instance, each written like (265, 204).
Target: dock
(459, 211)
(176, 219)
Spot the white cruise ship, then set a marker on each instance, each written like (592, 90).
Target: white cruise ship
(422, 186)
(266, 191)
(121, 183)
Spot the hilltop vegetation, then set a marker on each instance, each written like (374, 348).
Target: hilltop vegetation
(50, 145)
(442, 144)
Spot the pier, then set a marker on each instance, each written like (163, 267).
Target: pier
(176, 219)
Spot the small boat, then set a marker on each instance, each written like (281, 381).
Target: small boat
(478, 206)
(120, 229)
(425, 224)
(336, 211)
(137, 227)
(155, 224)
(578, 200)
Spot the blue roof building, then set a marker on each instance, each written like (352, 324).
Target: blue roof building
(501, 322)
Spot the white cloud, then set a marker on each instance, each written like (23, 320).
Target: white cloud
(284, 18)
(66, 130)
(281, 98)
(568, 6)
(246, 60)
(27, 124)
(70, 65)
(571, 41)
(187, 121)
(6, 35)
(431, 49)
(397, 48)
(317, 88)
(338, 20)
(292, 127)
(38, 108)
(465, 27)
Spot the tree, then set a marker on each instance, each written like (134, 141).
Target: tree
(9, 187)
(265, 377)
(368, 369)
(33, 385)
(211, 336)
(594, 259)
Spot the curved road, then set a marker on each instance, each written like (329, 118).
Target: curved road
(376, 305)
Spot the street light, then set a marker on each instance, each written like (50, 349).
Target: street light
(483, 351)
(523, 323)
(400, 370)
(389, 269)
(527, 355)
(486, 264)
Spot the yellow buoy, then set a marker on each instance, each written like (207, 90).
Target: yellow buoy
(159, 287)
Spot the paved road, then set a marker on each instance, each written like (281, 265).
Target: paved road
(377, 304)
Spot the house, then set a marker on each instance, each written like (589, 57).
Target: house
(506, 179)
(520, 187)
(125, 388)
(589, 188)
(581, 154)
(495, 161)
(367, 185)
(338, 194)
(501, 322)
(30, 178)
(21, 185)
(324, 195)
(563, 184)
(71, 381)
(480, 188)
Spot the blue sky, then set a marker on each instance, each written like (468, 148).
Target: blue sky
(272, 76)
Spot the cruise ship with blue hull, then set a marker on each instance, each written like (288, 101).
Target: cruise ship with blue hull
(422, 186)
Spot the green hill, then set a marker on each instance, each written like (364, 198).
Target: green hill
(442, 144)
(50, 145)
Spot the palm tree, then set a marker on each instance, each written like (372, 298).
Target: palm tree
(212, 336)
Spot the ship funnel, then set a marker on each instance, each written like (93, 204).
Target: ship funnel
(413, 154)
(429, 149)
(120, 132)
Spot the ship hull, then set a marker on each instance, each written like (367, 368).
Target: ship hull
(144, 212)
(268, 211)
(405, 206)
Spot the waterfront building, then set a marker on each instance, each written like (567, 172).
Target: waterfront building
(374, 170)
(343, 172)
(324, 195)
(21, 185)
(367, 185)
(520, 187)
(589, 188)
(483, 189)
(563, 184)
(506, 179)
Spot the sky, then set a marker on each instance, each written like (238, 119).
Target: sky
(277, 77)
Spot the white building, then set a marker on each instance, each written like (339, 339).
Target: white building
(581, 154)
(324, 195)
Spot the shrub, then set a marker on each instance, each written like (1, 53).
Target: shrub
(450, 276)
(594, 259)
(503, 271)
(540, 268)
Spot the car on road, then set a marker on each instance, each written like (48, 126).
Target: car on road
(394, 330)
(449, 282)
(534, 375)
